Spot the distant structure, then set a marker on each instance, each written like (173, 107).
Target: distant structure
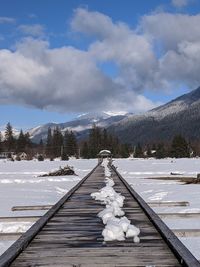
(105, 154)
(5, 155)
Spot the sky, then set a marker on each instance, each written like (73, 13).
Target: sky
(61, 58)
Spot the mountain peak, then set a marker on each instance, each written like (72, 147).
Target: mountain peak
(101, 115)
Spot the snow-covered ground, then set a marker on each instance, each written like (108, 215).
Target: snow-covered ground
(20, 185)
(135, 170)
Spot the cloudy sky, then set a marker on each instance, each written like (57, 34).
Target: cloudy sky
(62, 58)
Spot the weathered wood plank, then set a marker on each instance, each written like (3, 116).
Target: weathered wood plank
(38, 207)
(20, 219)
(180, 215)
(168, 203)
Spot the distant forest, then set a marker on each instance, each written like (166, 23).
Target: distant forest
(65, 145)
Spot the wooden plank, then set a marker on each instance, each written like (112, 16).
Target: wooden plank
(181, 215)
(38, 207)
(187, 232)
(168, 203)
(9, 236)
(19, 219)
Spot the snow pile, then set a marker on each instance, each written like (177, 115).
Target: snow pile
(117, 226)
(15, 227)
(106, 169)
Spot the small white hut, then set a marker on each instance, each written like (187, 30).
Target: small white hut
(105, 154)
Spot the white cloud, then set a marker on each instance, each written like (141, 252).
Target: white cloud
(171, 29)
(64, 79)
(180, 3)
(7, 20)
(179, 61)
(70, 79)
(132, 53)
(35, 30)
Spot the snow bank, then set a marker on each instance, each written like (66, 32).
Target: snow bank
(117, 226)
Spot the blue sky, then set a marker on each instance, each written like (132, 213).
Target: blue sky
(61, 58)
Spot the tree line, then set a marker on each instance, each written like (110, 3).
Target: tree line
(177, 148)
(11, 144)
(64, 144)
(100, 139)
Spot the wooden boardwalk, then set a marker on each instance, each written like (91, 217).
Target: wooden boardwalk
(70, 234)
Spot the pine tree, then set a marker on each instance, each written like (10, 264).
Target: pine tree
(85, 151)
(95, 141)
(28, 140)
(124, 151)
(48, 149)
(105, 139)
(57, 142)
(21, 142)
(138, 151)
(149, 154)
(9, 139)
(71, 143)
(160, 151)
(179, 147)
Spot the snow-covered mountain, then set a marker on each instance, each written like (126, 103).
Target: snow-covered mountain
(181, 115)
(80, 125)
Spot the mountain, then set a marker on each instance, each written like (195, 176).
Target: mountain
(80, 125)
(179, 116)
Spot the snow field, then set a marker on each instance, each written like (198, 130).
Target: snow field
(117, 225)
(135, 171)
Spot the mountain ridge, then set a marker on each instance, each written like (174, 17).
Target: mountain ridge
(79, 125)
(179, 116)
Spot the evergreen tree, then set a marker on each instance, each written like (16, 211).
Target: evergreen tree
(48, 149)
(41, 147)
(85, 151)
(9, 139)
(124, 151)
(179, 147)
(138, 151)
(21, 142)
(71, 143)
(160, 151)
(28, 140)
(149, 154)
(57, 142)
(95, 141)
(105, 138)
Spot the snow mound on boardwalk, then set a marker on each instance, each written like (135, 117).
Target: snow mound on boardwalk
(117, 225)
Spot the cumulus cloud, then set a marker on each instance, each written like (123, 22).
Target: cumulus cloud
(70, 79)
(4, 20)
(64, 79)
(35, 30)
(116, 42)
(180, 3)
(179, 61)
(171, 29)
